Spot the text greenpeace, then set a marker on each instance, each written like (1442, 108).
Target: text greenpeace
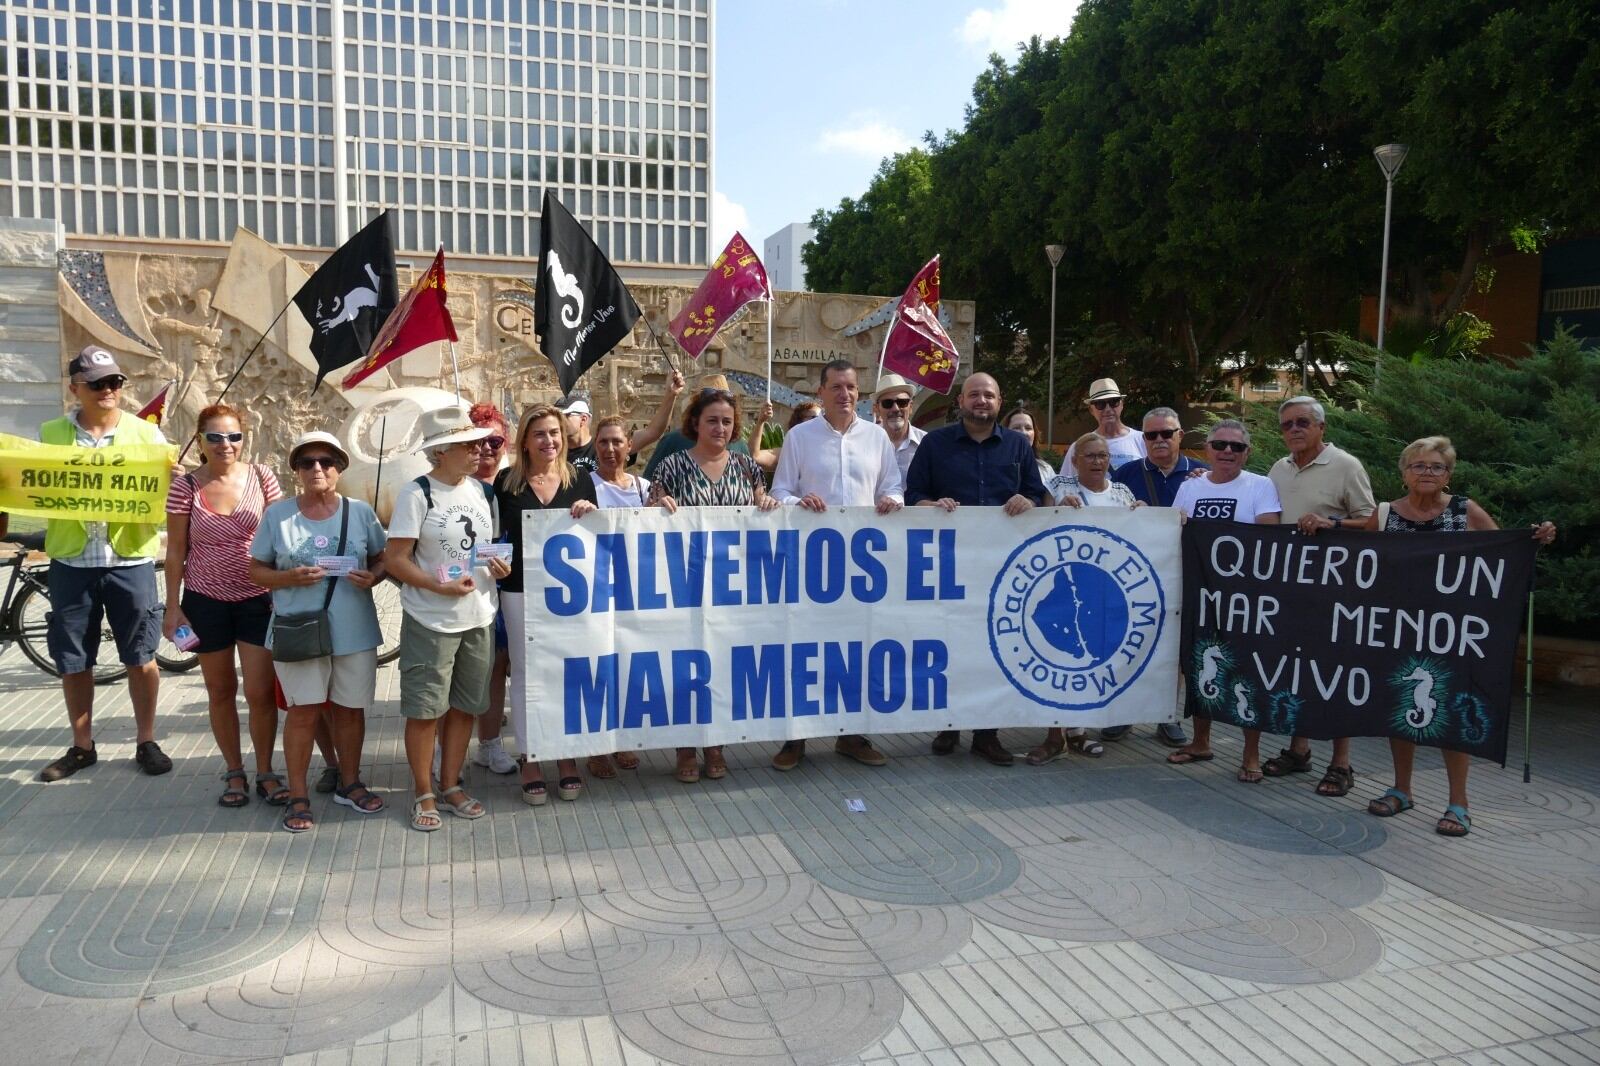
(1354, 635)
(118, 483)
(728, 625)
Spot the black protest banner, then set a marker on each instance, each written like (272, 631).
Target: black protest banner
(1355, 634)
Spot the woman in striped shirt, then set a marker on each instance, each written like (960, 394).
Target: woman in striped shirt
(212, 515)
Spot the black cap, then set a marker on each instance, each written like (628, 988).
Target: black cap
(94, 363)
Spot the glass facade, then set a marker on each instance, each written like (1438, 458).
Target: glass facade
(181, 119)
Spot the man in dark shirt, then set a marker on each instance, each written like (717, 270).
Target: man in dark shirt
(1154, 480)
(977, 463)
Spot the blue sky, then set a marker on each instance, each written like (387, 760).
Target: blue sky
(812, 94)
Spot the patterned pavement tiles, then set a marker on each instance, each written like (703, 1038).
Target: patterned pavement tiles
(1116, 910)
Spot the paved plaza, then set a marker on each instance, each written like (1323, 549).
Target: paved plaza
(1117, 911)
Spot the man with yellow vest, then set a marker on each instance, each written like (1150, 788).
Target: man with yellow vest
(103, 570)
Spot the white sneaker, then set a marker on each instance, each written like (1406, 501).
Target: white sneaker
(492, 754)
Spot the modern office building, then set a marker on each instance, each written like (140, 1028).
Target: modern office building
(780, 254)
(169, 122)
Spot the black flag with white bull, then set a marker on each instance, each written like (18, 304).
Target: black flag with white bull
(347, 300)
(1409, 635)
(581, 308)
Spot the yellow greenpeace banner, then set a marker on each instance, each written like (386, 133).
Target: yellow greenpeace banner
(119, 483)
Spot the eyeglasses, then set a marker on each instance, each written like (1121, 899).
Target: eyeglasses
(1161, 434)
(901, 402)
(105, 383)
(1295, 423)
(1238, 446)
(306, 462)
(494, 443)
(1095, 457)
(1428, 468)
(213, 437)
(1105, 405)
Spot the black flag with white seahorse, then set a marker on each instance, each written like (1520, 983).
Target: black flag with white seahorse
(1348, 634)
(350, 296)
(581, 308)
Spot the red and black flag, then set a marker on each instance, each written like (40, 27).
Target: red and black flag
(422, 317)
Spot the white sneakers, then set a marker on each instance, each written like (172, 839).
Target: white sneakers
(493, 755)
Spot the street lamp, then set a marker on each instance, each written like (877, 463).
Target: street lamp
(1390, 157)
(1053, 252)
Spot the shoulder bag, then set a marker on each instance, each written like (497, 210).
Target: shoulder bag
(309, 634)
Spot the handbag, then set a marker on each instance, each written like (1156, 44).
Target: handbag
(309, 634)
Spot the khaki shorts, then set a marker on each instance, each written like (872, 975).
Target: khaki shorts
(441, 671)
(344, 680)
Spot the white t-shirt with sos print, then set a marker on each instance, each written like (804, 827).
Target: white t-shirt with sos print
(1240, 500)
(462, 517)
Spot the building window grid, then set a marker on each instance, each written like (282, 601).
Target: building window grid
(236, 168)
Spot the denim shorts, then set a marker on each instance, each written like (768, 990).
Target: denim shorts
(82, 598)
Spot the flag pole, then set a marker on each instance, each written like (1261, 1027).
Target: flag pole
(237, 370)
(377, 479)
(660, 346)
(455, 371)
(772, 305)
(1527, 700)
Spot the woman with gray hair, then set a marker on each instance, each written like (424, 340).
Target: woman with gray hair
(1427, 507)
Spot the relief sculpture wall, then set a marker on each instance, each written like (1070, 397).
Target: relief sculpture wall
(170, 317)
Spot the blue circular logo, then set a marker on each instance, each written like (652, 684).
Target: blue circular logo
(1075, 615)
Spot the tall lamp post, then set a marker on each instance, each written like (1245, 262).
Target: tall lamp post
(1390, 157)
(1053, 252)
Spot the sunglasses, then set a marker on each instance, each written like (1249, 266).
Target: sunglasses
(306, 462)
(1237, 446)
(494, 443)
(213, 437)
(1295, 423)
(105, 383)
(1161, 434)
(901, 402)
(1105, 405)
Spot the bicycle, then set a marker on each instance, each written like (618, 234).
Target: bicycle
(25, 618)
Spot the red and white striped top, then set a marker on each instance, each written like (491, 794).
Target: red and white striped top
(219, 545)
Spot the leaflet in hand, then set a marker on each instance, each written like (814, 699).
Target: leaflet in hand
(338, 565)
(482, 553)
(448, 572)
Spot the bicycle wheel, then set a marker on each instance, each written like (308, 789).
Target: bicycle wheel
(386, 597)
(169, 656)
(33, 624)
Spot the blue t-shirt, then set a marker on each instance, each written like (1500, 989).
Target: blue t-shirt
(286, 539)
(1167, 485)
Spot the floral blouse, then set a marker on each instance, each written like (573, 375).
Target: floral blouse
(680, 477)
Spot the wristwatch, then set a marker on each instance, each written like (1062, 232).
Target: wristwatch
(1338, 523)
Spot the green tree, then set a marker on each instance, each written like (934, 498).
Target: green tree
(1208, 167)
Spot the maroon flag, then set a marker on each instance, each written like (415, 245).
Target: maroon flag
(156, 409)
(917, 347)
(421, 317)
(735, 279)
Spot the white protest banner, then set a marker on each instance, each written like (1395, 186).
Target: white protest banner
(725, 625)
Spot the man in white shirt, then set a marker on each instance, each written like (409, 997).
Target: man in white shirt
(838, 460)
(892, 405)
(1105, 399)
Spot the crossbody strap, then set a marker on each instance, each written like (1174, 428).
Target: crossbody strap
(1149, 482)
(344, 526)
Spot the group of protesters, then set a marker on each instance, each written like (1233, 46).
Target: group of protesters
(286, 583)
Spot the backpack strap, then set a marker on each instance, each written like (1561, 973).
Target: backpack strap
(1149, 482)
(427, 493)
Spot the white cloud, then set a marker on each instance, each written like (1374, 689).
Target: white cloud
(865, 135)
(726, 217)
(1003, 27)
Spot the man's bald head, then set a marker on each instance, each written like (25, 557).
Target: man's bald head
(980, 400)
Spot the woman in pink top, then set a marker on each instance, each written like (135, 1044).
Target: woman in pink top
(212, 515)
